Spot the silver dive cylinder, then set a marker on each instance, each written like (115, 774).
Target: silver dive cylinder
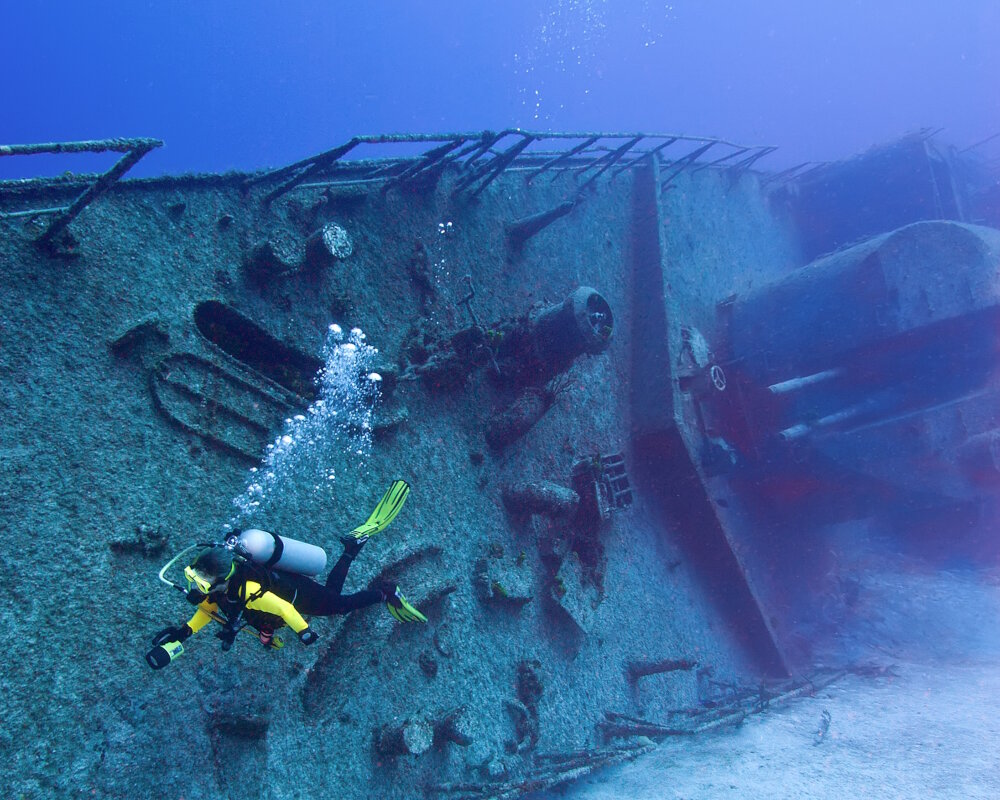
(279, 552)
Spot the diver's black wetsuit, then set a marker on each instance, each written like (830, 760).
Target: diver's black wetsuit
(313, 598)
(307, 596)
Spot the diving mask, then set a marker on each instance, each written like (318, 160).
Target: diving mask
(203, 584)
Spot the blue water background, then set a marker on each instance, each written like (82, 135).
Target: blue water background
(240, 85)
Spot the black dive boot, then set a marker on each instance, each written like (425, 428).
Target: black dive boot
(352, 545)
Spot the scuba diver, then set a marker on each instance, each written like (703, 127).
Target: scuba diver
(259, 580)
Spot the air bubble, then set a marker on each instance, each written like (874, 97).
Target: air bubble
(335, 429)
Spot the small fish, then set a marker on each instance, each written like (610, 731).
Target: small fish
(824, 727)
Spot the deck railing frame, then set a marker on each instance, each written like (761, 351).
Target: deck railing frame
(132, 149)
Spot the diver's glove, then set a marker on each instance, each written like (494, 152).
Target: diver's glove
(398, 605)
(227, 636)
(172, 634)
(308, 636)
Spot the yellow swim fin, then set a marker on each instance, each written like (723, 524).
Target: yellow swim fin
(400, 608)
(385, 512)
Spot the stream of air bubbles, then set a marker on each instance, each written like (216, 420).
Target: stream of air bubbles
(335, 432)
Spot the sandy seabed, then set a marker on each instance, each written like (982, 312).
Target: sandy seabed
(928, 732)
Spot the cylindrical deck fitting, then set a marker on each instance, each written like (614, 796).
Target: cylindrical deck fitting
(582, 323)
(413, 737)
(456, 726)
(281, 253)
(326, 244)
(541, 497)
(545, 342)
(640, 669)
(519, 231)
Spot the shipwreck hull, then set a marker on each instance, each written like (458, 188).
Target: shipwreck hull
(642, 446)
(183, 320)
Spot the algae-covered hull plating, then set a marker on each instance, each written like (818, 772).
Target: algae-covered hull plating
(585, 380)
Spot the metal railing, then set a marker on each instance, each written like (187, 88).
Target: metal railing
(482, 157)
(133, 150)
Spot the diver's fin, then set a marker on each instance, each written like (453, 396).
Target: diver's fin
(399, 607)
(385, 512)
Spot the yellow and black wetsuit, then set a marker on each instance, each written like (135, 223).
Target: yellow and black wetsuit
(260, 601)
(272, 599)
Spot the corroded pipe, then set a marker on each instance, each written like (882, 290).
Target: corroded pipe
(327, 243)
(279, 254)
(93, 146)
(99, 187)
(519, 231)
(509, 425)
(640, 669)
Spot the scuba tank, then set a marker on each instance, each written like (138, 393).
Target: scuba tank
(278, 552)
